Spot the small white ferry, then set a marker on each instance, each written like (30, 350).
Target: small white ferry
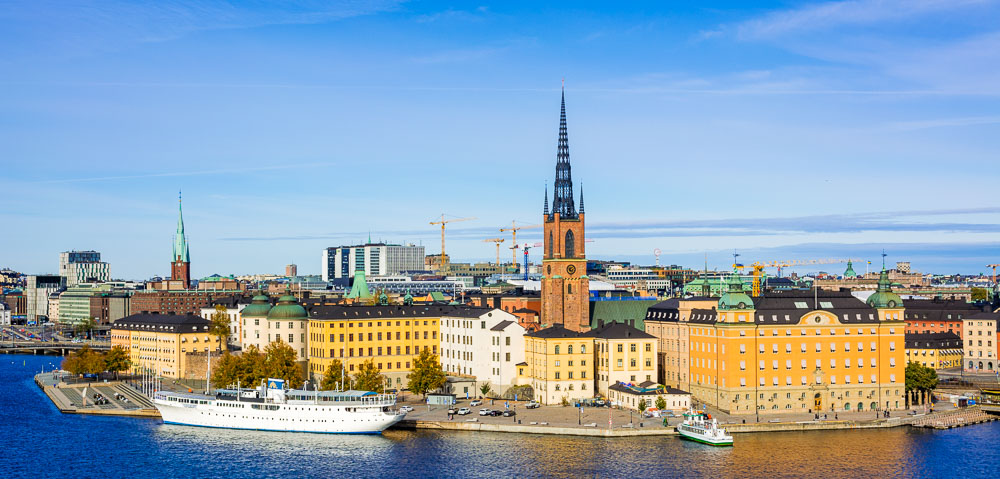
(703, 428)
(274, 408)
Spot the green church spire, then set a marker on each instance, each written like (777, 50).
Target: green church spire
(180, 241)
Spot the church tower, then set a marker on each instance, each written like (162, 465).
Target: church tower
(180, 264)
(565, 286)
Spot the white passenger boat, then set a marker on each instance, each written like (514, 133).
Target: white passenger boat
(703, 428)
(274, 408)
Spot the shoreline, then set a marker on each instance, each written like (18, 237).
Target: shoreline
(62, 403)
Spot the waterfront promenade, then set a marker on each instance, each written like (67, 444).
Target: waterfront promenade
(77, 397)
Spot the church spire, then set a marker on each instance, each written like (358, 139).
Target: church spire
(581, 198)
(546, 212)
(180, 239)
(562, 201)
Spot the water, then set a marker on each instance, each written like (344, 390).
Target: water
(38, 441)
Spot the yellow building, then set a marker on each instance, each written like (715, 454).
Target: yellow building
(389, 335)
(163, 342)
(791, 351)
(623, 354)
(934, 350)
(559, 365)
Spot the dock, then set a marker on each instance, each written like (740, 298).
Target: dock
(955, 418)
(68, 397)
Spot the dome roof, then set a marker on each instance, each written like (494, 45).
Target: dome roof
(287, 308)
(735, 297)
(258, 308)
(884, 297)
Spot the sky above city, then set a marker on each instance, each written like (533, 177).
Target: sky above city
(781, 130)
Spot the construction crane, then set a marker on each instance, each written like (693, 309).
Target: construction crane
(497, 241)
(514, 228)
(526, 248)
(442, 222)
(993, 278)
(758, 268)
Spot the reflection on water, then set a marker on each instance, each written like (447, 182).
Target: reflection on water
(86, 446)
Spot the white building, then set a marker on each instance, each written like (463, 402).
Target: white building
(234, 308)
(376, 259)
(483, 343)
(4, 314)
(83, 267)
(37, 290)
(641, 278)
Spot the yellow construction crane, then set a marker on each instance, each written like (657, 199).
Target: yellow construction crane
(442, 222)
(497, 241)
(514, 228)
(994, 277)
(758, 268)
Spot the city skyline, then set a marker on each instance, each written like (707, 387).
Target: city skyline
(811, 131)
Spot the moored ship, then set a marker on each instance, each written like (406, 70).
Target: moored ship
(703, 428)
(274, 408)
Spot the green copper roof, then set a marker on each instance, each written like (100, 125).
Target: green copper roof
(287, 308)
(850, 271)
(735, 297)
(180, 242)
(884, 297)
(359, 290)
(259, 306)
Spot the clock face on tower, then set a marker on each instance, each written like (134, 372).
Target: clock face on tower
(571, 269)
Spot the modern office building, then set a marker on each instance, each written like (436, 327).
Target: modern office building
(37, 288)
(83, 267)
(291, 270)
(375, 259)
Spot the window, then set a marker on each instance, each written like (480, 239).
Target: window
(649, 347)
(557, 349)
(619, 363)
(583, 347)
(761, 365)
(803, 364)
(788, 364)
(743, 365)
(570, 245)
(632, 347)
(620, 348)
(743, 347)
(291, 337)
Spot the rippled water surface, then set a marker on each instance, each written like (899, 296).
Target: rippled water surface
(38, 441)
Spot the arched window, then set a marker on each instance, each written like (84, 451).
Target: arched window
(569, 289)
(557, 349)
(569, 349)
(551, 245)
(570, 245)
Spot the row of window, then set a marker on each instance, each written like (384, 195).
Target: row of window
(339, 353)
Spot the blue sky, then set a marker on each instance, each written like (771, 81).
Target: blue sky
(785, 130)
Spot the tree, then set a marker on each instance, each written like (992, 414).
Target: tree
(85, 326)
(661, 403)
(980, 294)
(642, 405)
(250, 367)
(117, 360)
(225, 371)
(220, 325)
(369, 378)
(334, 377)
(426, 375)
(84, 361)
(279, 362)
(485, 389)
(919, 379)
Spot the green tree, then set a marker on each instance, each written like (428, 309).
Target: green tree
(485, 389)
(334, 377)
(84, 361)
(369, 378)
(642, 405)
(85, 326)
(920, 380)
(250, 367)
(426, 375)
(279, 362)
(220, 325)
(73, 364)
(980, 294)
(117, 360)
(661, 403)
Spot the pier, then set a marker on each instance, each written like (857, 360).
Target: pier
(70, 398)
(955, 418)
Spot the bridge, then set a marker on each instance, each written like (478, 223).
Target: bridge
(56, 348)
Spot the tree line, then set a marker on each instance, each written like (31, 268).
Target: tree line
(88, 361)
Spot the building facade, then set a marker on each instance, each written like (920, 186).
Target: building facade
(391, 336)
(83, 267)
(234, 306)
(173, 302)
(623, 354)
(565, 284)
(375, 259)
(937, 315)
(162, 343)
(37, 290)
(979, 337)
(631, 396)
(483, 343)
(934, 350)
(559, 365)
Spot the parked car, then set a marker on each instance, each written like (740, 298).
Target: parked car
(485, 412)
(532, 405)
(496, 413)
(475, 403)
(509, 413)
(464, 411)
(405, 408)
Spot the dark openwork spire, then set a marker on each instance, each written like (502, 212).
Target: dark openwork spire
(546, 200)
(581, 198)
(562, 202)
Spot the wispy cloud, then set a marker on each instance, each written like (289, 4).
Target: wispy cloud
(828, 15)
(221, 171)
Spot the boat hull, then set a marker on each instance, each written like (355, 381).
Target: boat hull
(284, 418)
(705, 440)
